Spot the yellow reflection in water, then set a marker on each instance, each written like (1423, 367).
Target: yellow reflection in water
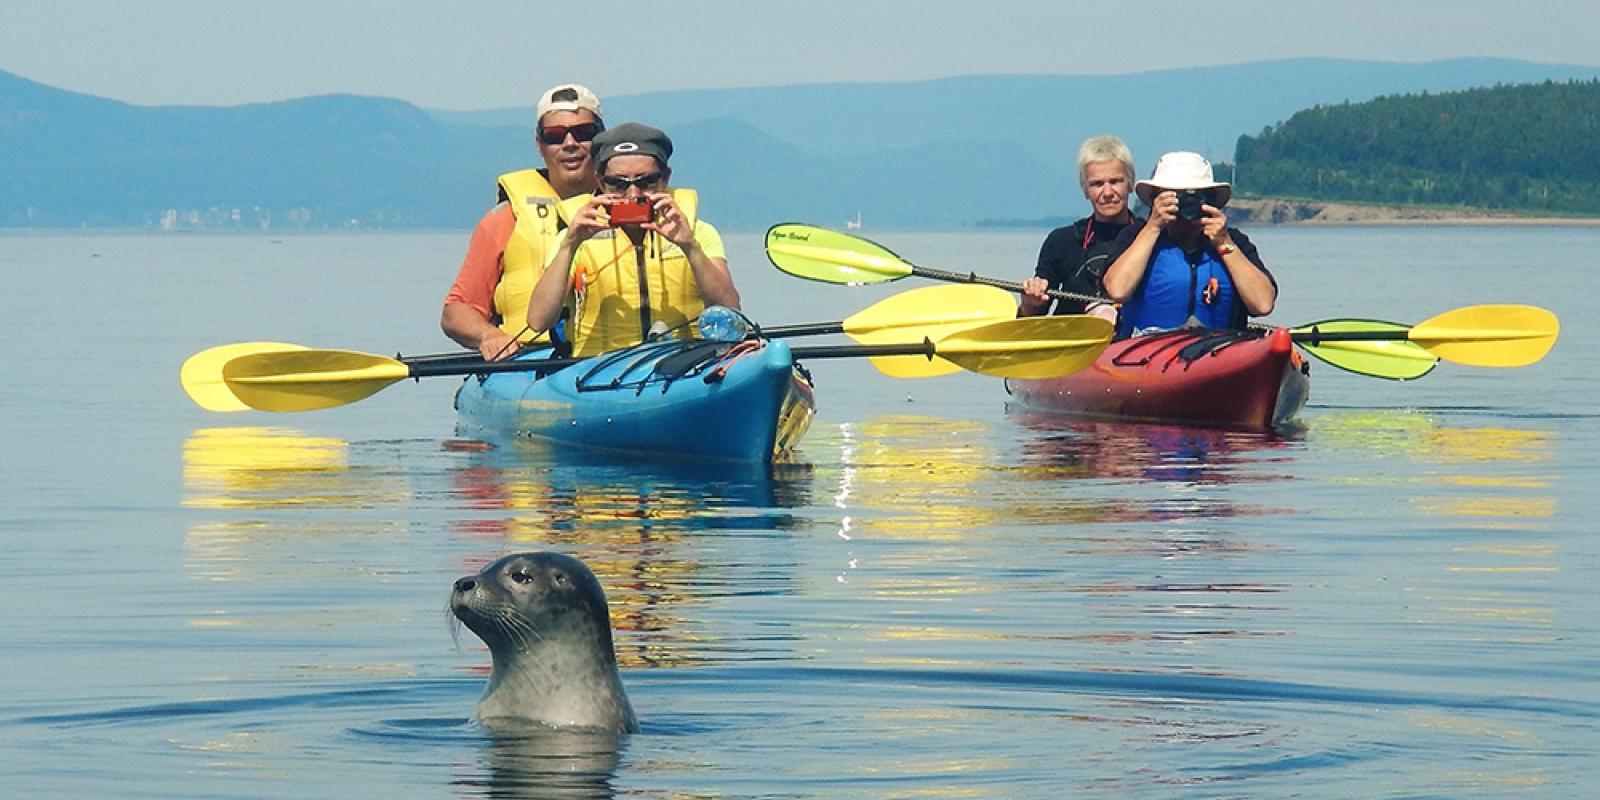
(632, 532)
(1374, 432)
(542, 508)
(1474, 777)
(1500, 445)
(269, 467)
(639, 531)
(264, 469)
(922, 477)
(1496, 508)
(1419, 436)
(1502, 481)
(1485, 458)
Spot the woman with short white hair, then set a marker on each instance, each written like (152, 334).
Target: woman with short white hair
(1074, 257)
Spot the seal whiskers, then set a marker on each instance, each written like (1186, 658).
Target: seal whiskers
(545, 619)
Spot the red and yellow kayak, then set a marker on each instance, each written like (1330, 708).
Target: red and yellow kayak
(1251, 379)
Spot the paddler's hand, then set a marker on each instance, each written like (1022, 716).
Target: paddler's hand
(669, 220)
(497, 346)
(1034, 298)
(1105, 311)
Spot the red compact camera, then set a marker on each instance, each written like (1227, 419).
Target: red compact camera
(629, 211)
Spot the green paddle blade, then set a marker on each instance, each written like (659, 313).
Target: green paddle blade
(818, 254)
(1396, 359)
(309, 380)
(932, 312)
(201, 374)
(1480, 336)
(1489, 335)
(1032, 347)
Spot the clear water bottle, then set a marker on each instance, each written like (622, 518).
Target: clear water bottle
(722, 324)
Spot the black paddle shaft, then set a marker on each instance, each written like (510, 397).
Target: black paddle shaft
(1010, 286)
(813, 329)
(925, 348)
(1312, 337)
(471, 365)
(1315, 337)
(474, 365)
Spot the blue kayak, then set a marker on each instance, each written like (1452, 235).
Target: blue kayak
(679, 399)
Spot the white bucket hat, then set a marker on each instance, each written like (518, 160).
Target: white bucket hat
(1180, 171)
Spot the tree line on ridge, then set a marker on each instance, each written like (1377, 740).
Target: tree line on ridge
(1533, 147)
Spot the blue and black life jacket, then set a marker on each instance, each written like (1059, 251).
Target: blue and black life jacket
(1179, 286)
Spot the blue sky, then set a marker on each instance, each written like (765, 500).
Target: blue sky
(473, 54)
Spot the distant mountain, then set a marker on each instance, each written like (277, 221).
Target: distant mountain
(942, 153)
(1530, 147)
(317, 162)
(1203, 109)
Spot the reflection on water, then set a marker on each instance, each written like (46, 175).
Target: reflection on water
(1457, 464)
(555, 764)
(259, 476)
(1066, 446)
(1396, 601)
(955, 547)
(1480, 505)
(1134, 555)
(921, 477)
(1187, 470)
(576, 495)
(265, 467)
(643, 529)
(1420, 436)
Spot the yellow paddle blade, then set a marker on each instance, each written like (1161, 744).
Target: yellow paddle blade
(818, 254)
(908, 366)
(201, 374)
(307, 380)
(1396, 358)
(933, 312)
(962, 305)
(1489, 336)
(1032, 347)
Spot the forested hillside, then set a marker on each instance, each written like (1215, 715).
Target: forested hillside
(1533, 147)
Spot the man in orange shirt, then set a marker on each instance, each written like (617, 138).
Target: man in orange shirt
(486, 308)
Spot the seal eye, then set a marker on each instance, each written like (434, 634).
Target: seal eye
(520, 576)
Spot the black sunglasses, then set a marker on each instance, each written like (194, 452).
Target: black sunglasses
(582, 132)
(619, 184)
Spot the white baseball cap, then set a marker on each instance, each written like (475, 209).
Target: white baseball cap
(567, 97)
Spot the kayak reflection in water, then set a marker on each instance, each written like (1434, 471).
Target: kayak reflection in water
(1184, 267)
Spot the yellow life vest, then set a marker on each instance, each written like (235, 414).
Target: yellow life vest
(612, 306)
(540, 220)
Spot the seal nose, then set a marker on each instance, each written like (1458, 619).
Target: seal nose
(466, 584)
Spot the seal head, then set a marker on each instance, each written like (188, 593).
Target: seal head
(545, 619)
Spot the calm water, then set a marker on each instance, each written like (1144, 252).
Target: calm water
(942, 599)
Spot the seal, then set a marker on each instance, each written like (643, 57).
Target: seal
(545, 619)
